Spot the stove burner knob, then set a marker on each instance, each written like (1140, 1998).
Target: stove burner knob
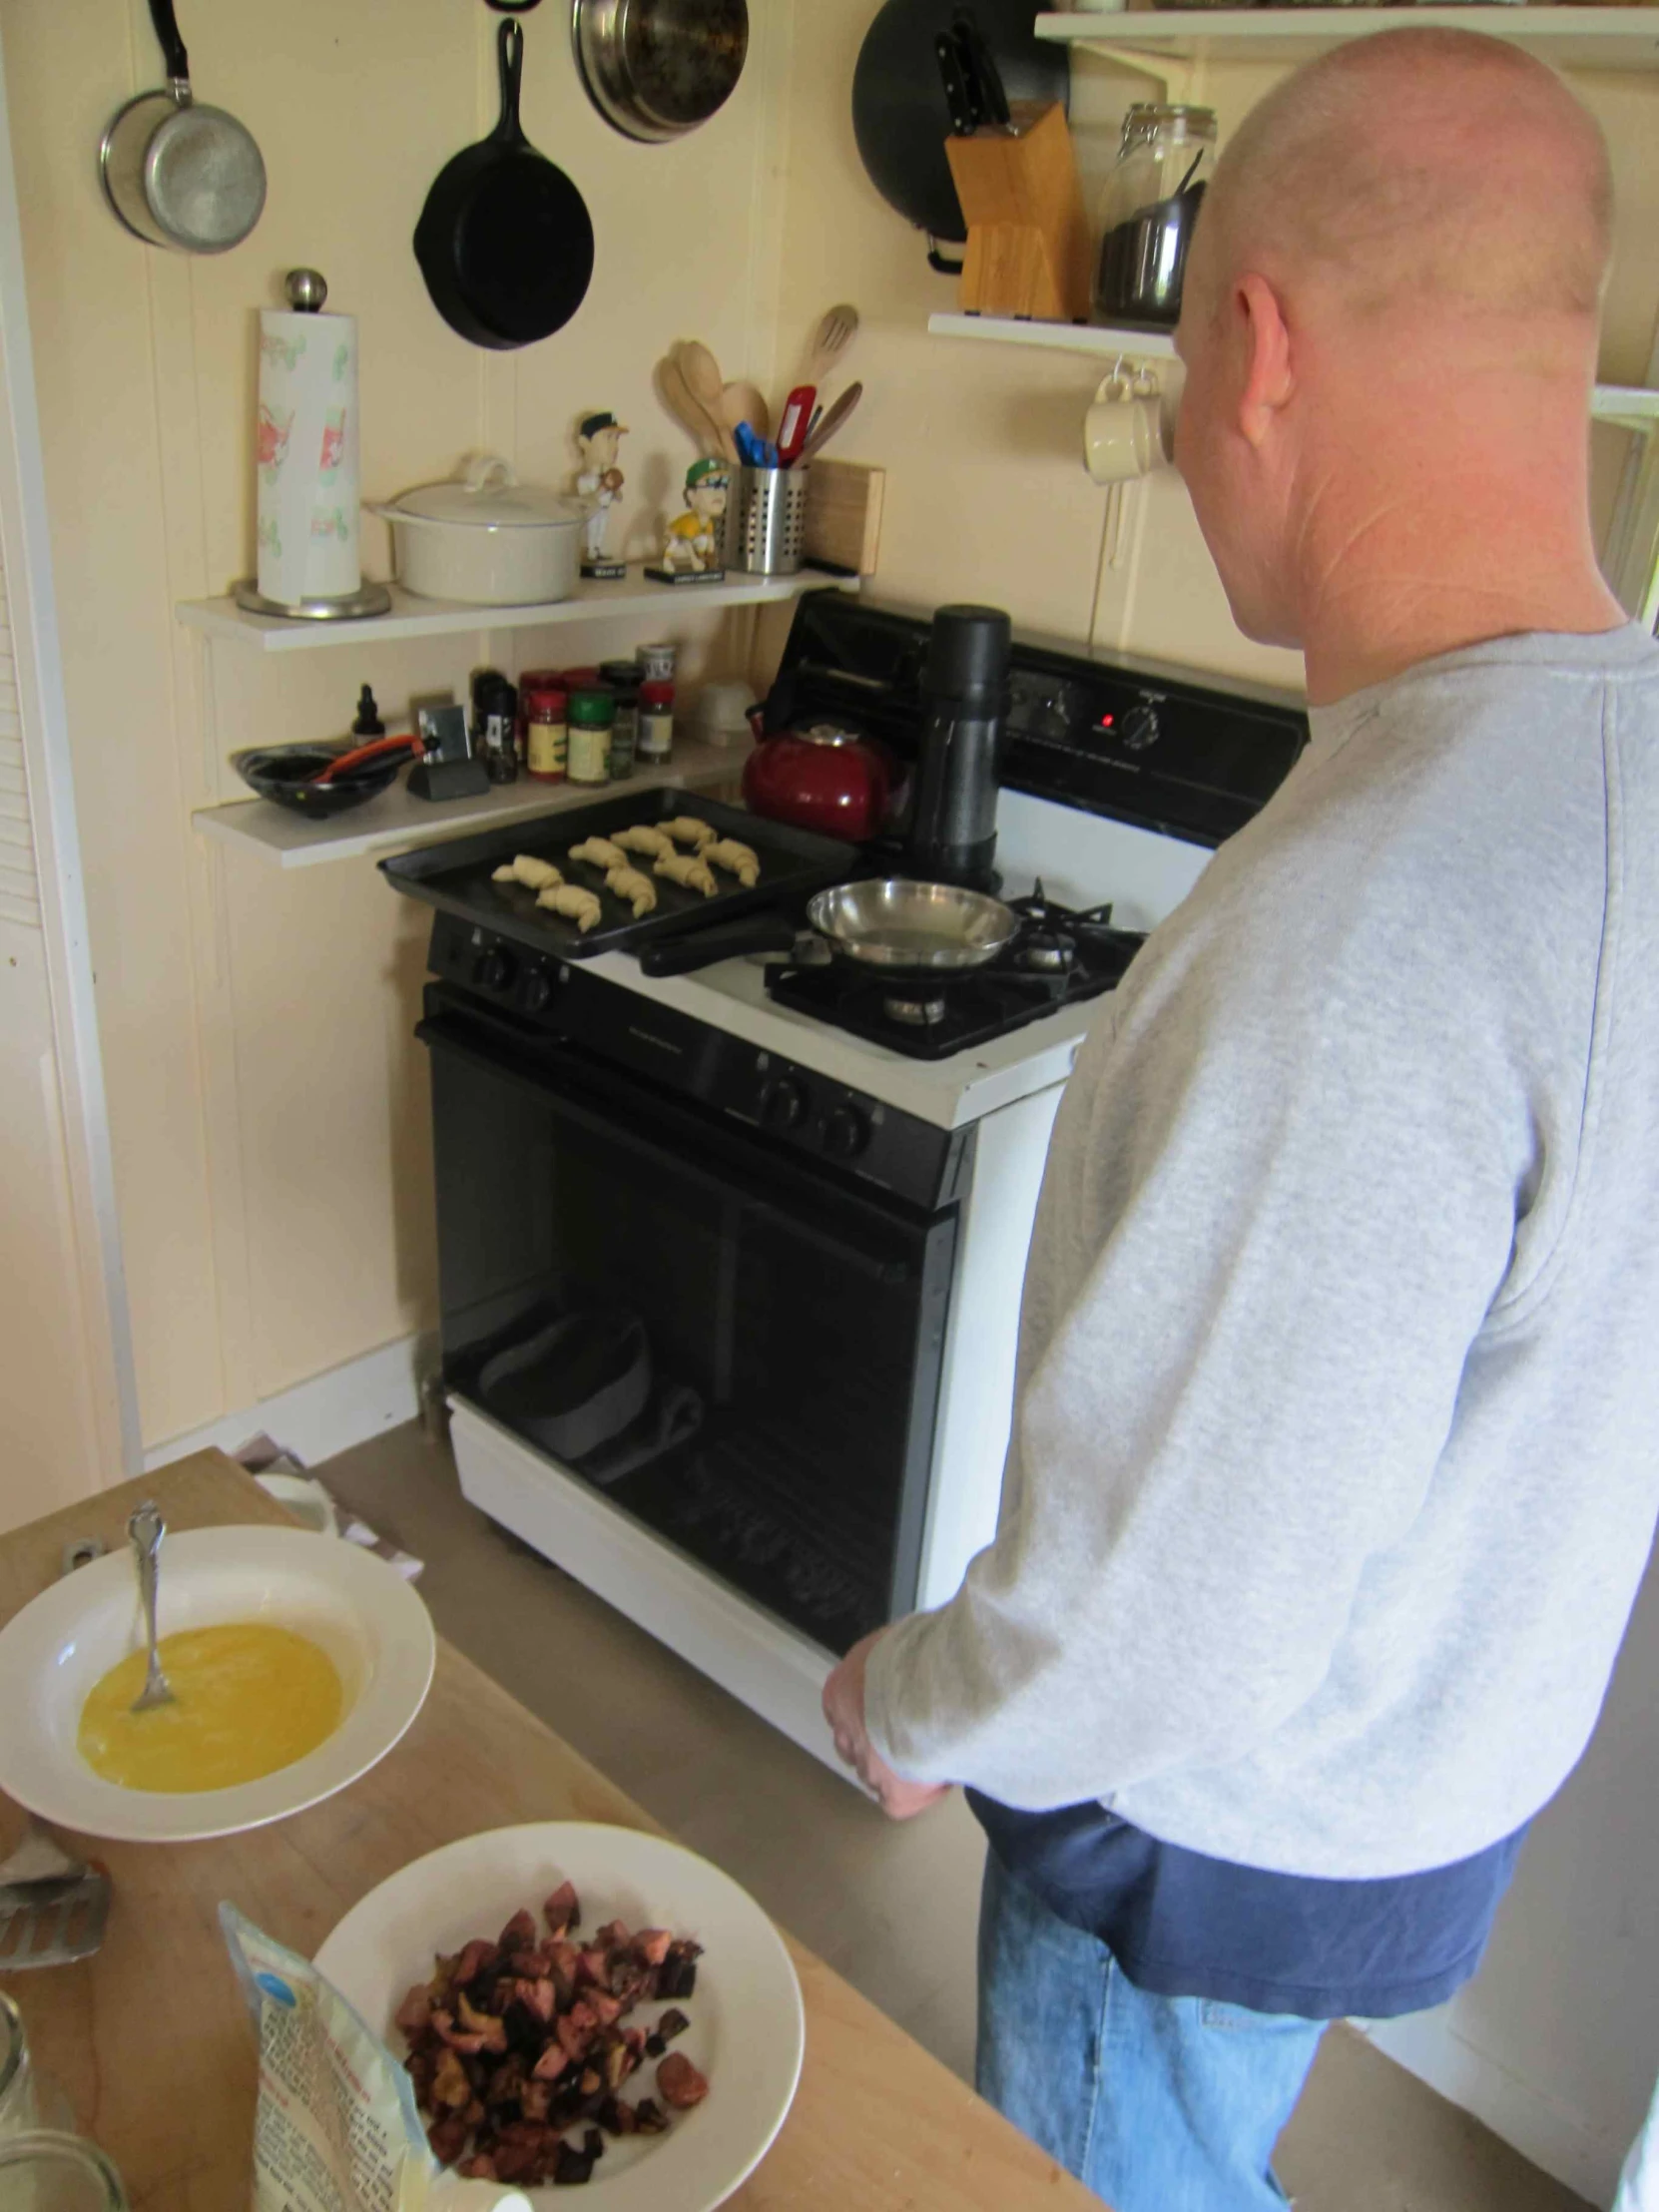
(538, 989)
(495, 969)
(846, 1132)
(783, 1103)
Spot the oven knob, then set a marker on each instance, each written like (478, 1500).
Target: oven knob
(846, 1132)
(495, 969)
(783, 1103)
(538, 989)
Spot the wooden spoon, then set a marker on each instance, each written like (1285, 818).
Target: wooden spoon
(706, 434)
(835, 334)
(701, 374)
(743, 401)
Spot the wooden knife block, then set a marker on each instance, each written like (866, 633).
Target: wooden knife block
(1029, 237)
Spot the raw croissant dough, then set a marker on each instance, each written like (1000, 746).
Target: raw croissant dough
(601, 852)
(687, 830)
(737, 860)
(643, 838)
(525, 868)
(638, 891)
(576, 904)
(687, 868)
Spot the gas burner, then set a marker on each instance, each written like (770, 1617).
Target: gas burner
(914, 1013)
(1059, 957)
(1046, 951)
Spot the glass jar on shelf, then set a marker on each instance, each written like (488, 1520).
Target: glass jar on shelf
(1150, 205)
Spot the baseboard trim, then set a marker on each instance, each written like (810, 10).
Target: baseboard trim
(327, 1413)
(1525, 2115)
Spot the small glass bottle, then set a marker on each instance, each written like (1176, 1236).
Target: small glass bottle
(655, 723)
(1165, 160)
(496, 736)
(623, 678)
(545, 731)
(592, 712)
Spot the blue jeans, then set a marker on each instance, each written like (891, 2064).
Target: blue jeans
(1158, 2104)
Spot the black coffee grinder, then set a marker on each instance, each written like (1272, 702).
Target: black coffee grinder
(965, 699)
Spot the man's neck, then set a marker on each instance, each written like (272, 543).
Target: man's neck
(1390, 579)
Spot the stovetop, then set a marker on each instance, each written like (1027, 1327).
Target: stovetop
(1060, 958)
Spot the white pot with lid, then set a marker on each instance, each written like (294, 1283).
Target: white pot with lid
(486, 539)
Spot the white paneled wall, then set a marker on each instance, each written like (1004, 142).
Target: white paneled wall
(19, 887)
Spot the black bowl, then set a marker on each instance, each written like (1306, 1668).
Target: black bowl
(287, 773)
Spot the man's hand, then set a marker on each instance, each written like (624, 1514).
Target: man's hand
(844, 1709)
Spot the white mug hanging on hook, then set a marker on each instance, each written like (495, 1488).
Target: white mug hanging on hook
(1122, 431)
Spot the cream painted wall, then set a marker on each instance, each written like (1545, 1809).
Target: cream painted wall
(267, 1098)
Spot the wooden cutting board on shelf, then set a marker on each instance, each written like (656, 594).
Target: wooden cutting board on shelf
(844, 515)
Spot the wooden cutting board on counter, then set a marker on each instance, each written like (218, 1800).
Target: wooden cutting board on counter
(150, 2037)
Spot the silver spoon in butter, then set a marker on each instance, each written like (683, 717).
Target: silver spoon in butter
(146, 1528)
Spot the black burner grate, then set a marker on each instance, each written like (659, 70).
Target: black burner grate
(1060, 956)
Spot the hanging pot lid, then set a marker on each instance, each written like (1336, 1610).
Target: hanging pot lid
(488, 497)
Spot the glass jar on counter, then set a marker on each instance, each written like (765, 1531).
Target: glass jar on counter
(592, 712)
(623, 679)
(655, 723)
(545, 711)
(1165, 160)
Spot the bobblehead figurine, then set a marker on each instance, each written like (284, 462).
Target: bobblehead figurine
(690, 547)
(599, 486)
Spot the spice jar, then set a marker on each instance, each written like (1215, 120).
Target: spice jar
(655, 723)
(496, 727)
(623, 679)
(545, 736)
(592, 712)
(1151, 202)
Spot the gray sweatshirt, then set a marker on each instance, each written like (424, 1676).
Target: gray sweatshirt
(1336, 1453)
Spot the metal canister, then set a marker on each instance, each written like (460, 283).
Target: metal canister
(592, 712)
(623, 678)
(657, 663)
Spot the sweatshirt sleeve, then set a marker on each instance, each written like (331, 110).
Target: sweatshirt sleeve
(1281, 1198)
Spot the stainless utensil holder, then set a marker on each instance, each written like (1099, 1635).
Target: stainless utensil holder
(765, 521)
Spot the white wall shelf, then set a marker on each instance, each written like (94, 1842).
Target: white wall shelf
(1631, 406)
(412, 617)
(1571, 38)
(1057, 338)
(394, 821)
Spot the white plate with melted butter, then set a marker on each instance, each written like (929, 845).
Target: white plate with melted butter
(357, 1686)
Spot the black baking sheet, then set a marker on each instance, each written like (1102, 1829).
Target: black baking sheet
(457, 876)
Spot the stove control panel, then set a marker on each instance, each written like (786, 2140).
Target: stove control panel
(811, 1114)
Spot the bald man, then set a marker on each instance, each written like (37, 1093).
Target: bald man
(1335, 1463)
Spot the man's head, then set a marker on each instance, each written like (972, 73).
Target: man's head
(1399, 266)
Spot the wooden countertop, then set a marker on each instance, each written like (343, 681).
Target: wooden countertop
(151, 2040)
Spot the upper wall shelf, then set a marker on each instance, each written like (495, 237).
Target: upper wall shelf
(429, 618)
(1058, 338)
(1571, 38)
(1631, 406)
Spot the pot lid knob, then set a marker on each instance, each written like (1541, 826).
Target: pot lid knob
(307, 289)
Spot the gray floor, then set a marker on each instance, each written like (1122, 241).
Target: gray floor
(892, 1907)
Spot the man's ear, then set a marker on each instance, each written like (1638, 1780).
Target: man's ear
(1260, 330)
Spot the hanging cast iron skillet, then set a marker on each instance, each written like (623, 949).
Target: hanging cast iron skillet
(504, 240)
(900, 115)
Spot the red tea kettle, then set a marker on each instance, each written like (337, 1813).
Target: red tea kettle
(825, 778)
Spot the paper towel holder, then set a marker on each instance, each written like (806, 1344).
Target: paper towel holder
(307, 289)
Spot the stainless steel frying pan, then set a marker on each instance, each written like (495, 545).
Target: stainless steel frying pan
(656, 69)
(891, 926)
(178, 174)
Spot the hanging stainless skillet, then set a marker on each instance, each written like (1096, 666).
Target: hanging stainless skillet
(178, 174)
(656, 69)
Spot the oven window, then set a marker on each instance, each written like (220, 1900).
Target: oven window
(725, 1343)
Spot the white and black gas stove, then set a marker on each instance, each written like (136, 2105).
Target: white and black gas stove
(730, 1261)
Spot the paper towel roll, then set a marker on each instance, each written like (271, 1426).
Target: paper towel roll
(306, 456)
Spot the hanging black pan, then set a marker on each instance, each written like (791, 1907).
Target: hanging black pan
(504, 240)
